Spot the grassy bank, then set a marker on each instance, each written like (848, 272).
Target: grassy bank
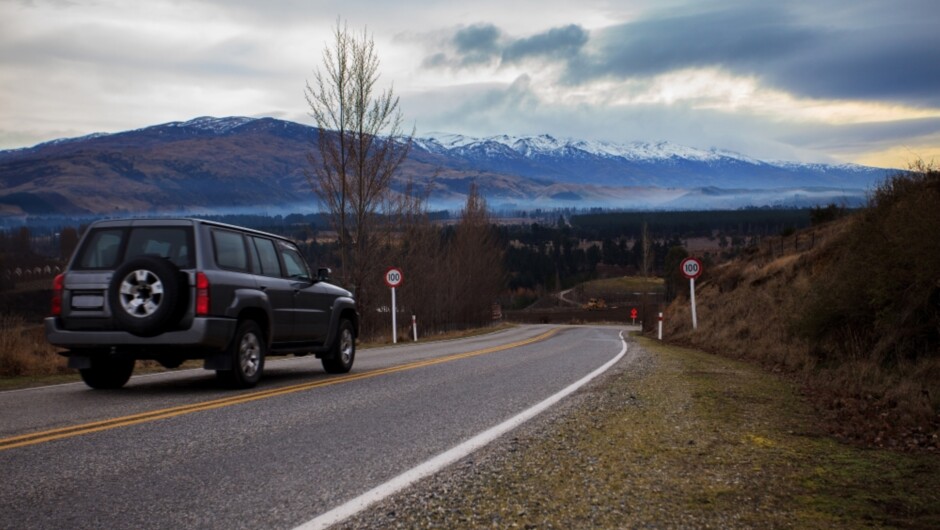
(850, 307)
(747, 309)
(675, 438)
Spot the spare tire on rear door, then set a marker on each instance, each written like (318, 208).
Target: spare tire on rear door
(147, 295)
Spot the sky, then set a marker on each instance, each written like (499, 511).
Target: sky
(801, 80)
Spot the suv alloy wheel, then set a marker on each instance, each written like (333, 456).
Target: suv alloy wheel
(247, 352)
(146, 295)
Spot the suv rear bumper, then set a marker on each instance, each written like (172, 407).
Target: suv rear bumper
(204, 334)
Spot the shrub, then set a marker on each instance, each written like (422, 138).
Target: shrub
(880, 297)
(24, 350)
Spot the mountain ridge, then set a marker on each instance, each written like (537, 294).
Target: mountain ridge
(214, 164)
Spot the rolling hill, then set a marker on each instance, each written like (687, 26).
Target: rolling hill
(237, 164)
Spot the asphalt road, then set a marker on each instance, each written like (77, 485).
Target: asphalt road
(174, 451)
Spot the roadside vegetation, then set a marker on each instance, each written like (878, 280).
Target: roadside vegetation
(856, 316)
(24, 350)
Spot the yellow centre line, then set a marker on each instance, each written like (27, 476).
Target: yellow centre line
(154, 415)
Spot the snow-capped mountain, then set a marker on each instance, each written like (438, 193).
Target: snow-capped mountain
(662, 164)
(237, 163)
(545, 144)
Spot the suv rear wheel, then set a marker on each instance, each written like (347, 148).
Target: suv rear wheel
(247, 353)
(107, 372)
(343, 353)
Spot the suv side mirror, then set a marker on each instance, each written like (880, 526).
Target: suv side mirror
(323, 274)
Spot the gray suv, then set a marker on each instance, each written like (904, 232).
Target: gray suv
(176, 289)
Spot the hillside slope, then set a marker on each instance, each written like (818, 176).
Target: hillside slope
(866, 386)
(221, 164)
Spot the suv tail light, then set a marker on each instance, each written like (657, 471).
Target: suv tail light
(202, 294)
(58, 285)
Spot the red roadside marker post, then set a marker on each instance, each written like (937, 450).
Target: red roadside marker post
(633, 315)
(393, 279)
(691, 268)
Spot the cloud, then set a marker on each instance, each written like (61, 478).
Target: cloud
(486, 44)
(478, 40)
(863, 50)
(561, 42)
(652, 46)
(800, 79)
(859, 137)
(866, 52)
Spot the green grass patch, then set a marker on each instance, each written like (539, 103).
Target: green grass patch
(30, 381)
(625, 285)
(758, 428)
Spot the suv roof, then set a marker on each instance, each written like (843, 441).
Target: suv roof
(178, 221)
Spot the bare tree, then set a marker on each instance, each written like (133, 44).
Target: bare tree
(361, 146)
(329, 106)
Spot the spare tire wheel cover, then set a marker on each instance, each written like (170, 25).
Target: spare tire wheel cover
(145, 294)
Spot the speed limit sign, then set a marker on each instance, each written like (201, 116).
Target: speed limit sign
(691, 268)
(394, 277)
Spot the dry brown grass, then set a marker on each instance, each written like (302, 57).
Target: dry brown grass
(748, 308)
(24, 350)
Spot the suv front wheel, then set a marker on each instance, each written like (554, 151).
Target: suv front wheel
(343, 353)
(247, 353)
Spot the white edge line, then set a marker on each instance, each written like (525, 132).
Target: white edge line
(439, 462)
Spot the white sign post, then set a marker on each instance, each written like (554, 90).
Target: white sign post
(393, 279)
(692, 268)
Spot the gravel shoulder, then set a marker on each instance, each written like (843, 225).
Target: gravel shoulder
(672, 437)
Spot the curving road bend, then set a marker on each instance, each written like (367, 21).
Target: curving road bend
(173, 450)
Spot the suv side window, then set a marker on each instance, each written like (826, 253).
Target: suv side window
(266, 256)
(230, 250)
(294, 264)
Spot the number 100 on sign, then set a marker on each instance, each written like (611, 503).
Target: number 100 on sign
(691, 268)
(394, 278)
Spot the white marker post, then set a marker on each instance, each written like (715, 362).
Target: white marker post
(414, 326)
(659, 327)
(692, 268)
(393, 279)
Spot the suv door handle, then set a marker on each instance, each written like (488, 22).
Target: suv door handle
(263, 287)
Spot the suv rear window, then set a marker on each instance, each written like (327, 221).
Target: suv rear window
(107, 248)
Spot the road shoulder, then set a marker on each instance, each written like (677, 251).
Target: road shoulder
(672, 437)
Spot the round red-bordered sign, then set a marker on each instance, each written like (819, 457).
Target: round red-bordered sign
(394, 277)
(691, 268)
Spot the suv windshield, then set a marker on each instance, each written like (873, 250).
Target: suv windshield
(106, 248)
